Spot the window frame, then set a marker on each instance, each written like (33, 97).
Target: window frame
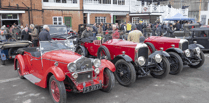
(99, 18)
(57, 20)
(67, 2)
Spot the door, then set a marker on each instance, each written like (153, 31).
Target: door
(36, 66)
(68, 21)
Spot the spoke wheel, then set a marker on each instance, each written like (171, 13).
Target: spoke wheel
(176, 63)
(200, 63)
(19, 70)
(125, 73)
(103, 53)
(109, 81)
(165, 65)
(57, 90)
(80, 51)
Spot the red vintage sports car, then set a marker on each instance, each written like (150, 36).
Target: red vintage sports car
(180, 51)
(131, 59)
(55, 65)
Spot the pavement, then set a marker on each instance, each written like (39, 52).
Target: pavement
(190, 86)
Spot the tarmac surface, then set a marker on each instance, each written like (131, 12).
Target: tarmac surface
(190, 86)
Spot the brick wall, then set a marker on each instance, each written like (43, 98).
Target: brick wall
(92, 17)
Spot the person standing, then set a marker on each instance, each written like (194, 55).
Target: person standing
(95, 31)
(25, 34)
(128, 26)
(134, 36)
(16, 33)
(34, 35)
(178, 26)
(44, 35)
(115, 34)
(140, 26)
(2, 35)
(100, 30)
(87, 33)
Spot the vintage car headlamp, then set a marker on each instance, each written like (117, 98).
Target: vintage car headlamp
(97, 71)
(71, 67)
(141, 60)
(75, 75)
(187, 53)
(197, 50)
(97, 63)
(158, 58)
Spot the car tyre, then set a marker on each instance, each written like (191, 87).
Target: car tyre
(151, 47)
(19, 69)
(109, 80)
(166, 69)
(199, 64)
(57, 90)
(82, 51)
(12, 51)
(103, 51)
(130, 73)
(178, 63)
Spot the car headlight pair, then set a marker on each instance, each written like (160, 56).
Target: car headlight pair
(72, 68)
(187, 53)
(197, 50)
(97, 64)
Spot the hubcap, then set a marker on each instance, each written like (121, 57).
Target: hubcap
(55, 91)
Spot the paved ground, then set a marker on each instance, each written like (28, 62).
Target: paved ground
(191, 86)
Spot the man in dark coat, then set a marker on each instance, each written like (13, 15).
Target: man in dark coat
(87, 33)
(95, 31)
(140, 27)
(25, 34)
(44, 35)
(178, 26)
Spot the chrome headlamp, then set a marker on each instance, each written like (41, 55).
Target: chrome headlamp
(97, 71)
(141, 60)
(158, 58)
(187, 53)
(97, 63)
(71, 67)
(75, 75)
(197, 50)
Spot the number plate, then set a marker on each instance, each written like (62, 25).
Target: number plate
(13, 56)
(92, 88)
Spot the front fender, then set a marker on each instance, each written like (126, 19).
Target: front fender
(21, 62)
(177, 50)
(107, 64)
(125, 57)
(192, 46)
(162, 53)
(57, 72)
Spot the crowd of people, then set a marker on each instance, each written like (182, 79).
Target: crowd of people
(29, 33)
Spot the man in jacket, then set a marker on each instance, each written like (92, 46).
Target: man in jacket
(140, 26)
(134, 36)
(95, 31)
(44, 35)
(16, 33)
(178, 26)
(25, 34)
(87, 33)
(34, 35)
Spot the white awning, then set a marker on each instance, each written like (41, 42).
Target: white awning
(11, 12)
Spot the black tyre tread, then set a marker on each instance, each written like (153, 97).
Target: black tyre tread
(201, 63)
(106, 51)
(85, 51)
(111, 81)
(180, 65)
(133, 73)
(21, 76)
(166, 72)
(151, 46)
(10, 51)
(61, 86)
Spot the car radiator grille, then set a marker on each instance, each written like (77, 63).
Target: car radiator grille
(185, 46)
(83, 64)
(143, 52)
(84, 77)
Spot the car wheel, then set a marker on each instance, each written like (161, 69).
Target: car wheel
(151, 47)
(3, 62)
(57, 90)
(125, 72)
(165, 65)
(198, 64)
(19, 70)
(109, 81)
(176, 65)
(82, 51)
(103, 53)
(12, 51)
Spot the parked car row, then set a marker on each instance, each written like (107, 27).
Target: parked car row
(81, 65)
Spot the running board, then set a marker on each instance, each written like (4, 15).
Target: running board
(32, 78)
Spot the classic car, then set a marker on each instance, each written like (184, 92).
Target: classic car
(181, 53)
(8, 49)
(55, 65)
(131, 59)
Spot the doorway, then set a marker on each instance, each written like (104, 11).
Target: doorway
(9, 22)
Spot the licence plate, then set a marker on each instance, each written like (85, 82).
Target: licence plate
(13, 56)
(92, 88)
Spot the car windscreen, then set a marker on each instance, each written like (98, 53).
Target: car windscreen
(58, 30)
(47, 46)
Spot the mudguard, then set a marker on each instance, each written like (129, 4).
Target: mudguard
(192, 46)
(125, 57)
(21, 62)
(162, 53)
(177, 50)
(57, 72)
(108, 64)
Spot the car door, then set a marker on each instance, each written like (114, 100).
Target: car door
(203, 40)
(36, 66)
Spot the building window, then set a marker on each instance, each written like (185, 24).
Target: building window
(135, 20)
(100, 19)
(203, 19)
(106, 1)
(60, 1)
(57, 20)
(9, 16)
(121, 2)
